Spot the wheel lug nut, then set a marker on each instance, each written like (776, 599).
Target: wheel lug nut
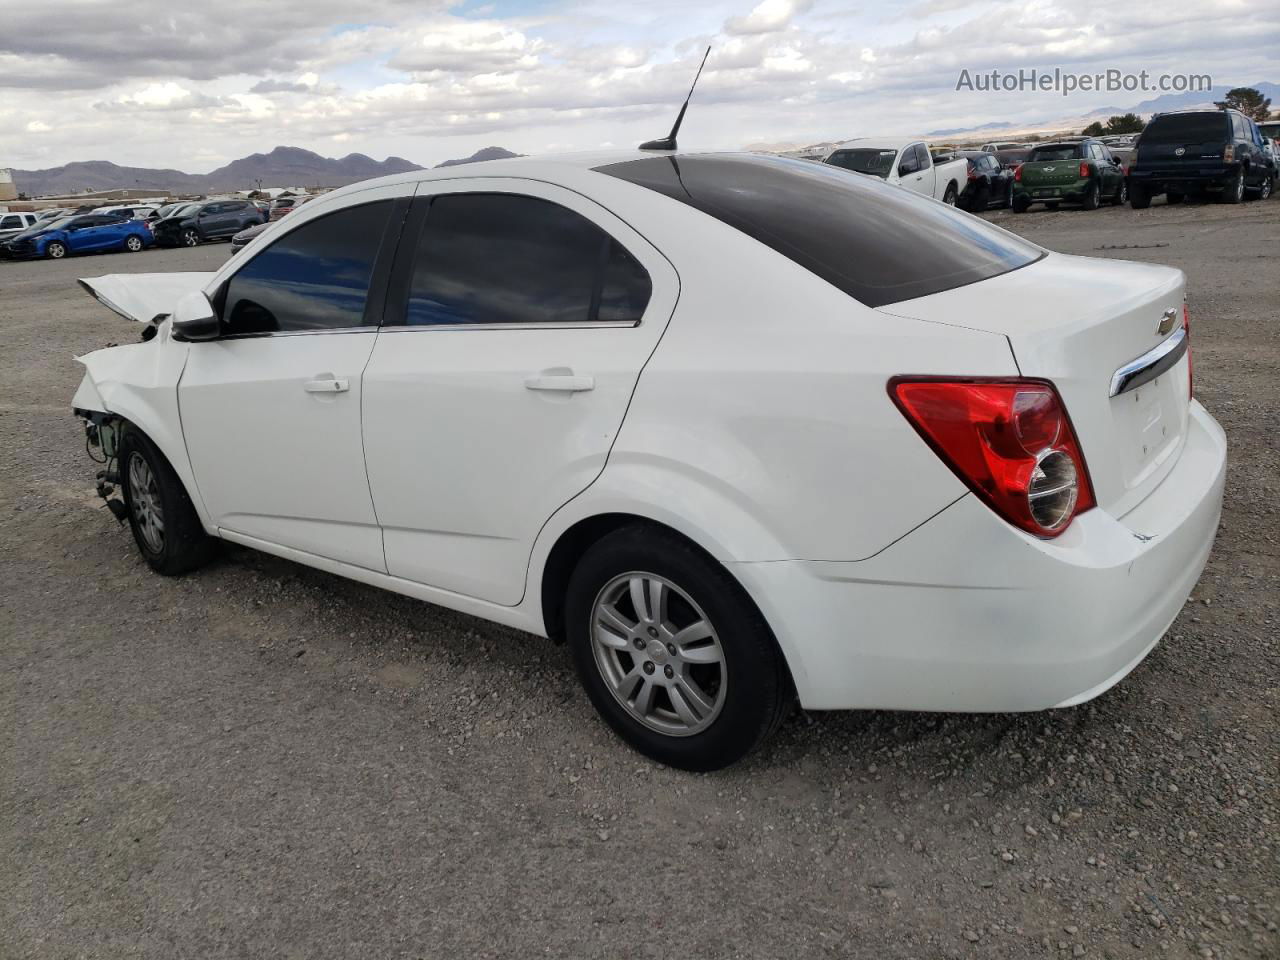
(668, 671)
(639, 644)
(653, 632)
(648, 666)
(671, 649)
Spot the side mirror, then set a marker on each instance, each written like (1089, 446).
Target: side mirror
(195, 319)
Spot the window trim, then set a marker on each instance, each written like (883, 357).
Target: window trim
(375, 299)
(397, 299)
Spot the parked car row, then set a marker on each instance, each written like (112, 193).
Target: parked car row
(1221, 153)
(133, 227)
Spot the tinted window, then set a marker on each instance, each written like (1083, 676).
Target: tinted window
(1053, 151)
(313, 278)
(9, 223)
(909, 163)
(502, 258)
(878, 163)
(922, 156)
(877, 243)
(1186, 128)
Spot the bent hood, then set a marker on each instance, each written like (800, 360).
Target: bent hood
(144, 296)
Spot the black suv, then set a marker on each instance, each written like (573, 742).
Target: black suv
(1200, 151)
(212, 220)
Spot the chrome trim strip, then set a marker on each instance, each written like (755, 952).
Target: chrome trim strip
(371, 328)
(597, 325)
(1151, 364)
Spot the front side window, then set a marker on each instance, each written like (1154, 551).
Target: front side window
(492, 258)
(877, 243)
(877, 163)
(11, 223)
(909, 164)
(923, 161)
(314, 278)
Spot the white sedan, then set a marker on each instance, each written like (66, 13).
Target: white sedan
(741, 430)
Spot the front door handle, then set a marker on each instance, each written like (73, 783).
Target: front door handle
(327, 384)
(565, 383)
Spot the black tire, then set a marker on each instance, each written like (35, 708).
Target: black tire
(190, 237)
(756, 692)
(1233, 189)
(950, 195)
(1091, 199)
(1121, 196)
(55, 250)
(1263, 190)
(183, 545)
(1052, 205)
(133, 243)
(1139, 199)
(1172, 197)
(1020, 203)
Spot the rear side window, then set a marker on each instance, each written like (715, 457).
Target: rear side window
(878, 243)
(313, 278)
(1187, 128)
(490, 258)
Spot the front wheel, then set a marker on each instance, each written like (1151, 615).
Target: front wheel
(672, 652)
(164, 522)
(1264, 188)
(133, 243)
(1122, 194)
(56, 250)
(190, 238)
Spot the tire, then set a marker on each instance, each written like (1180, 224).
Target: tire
(1172, 197)
(1263, 190)
(1091, 199)
(132, 243)
(1139, 199)
(739, 688)
(190, 237)
(1233, 189)
(164, 523)
(1122, 194)
(950, 195)
(1020, 204)
(1052, 205)
(56, 250)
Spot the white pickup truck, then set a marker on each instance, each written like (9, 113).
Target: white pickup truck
(905, 162)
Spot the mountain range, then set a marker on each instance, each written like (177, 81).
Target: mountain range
(282, 167)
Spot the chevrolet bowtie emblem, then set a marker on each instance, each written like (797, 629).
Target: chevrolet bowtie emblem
(1166, 321)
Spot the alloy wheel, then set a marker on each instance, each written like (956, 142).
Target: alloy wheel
(658, 653)
(144, 498)
(134, 244)
(190, 238)
(56, 251)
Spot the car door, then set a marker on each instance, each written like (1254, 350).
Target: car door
(271, 410)
(209, 219)
(919, 173)
(518, 321)
(84, 235)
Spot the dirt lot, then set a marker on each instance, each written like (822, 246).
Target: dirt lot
(265, 761)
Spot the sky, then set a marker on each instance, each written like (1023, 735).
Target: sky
(193, 85)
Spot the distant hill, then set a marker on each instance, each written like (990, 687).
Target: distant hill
(484, 153)
(282, 167)
(1184, 101)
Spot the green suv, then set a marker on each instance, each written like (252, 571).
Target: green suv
(1083, 172)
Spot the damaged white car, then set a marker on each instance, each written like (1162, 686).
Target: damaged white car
(741, 430)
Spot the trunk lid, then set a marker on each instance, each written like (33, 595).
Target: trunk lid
(1184, 140)
(1076, 321)
(143, 296)
(1050, 173)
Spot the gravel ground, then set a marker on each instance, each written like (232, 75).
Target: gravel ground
(261, 760)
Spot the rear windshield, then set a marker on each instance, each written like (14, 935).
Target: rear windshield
(878, 163)
(878, 243)
(1186, 128)
(1053, 151)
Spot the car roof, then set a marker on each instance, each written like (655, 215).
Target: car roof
(880, 143)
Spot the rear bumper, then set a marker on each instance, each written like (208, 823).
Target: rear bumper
(1181, 179)
(1065, 193)
(966, 613)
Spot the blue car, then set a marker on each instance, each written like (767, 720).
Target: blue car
(85, 233)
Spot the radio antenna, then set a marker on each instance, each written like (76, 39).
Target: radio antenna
(669, 141)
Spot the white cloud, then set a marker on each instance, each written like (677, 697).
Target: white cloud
(768, 16)
(38, 126)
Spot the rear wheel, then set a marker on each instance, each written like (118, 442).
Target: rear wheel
(1021, 203)
(1091, 199)
(56, 250)
(672, 652)
(161, 516)
(1139, 199)
(133, 243)
(1233, 189)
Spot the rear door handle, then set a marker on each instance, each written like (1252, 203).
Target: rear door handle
(565, 383)
(327, 385)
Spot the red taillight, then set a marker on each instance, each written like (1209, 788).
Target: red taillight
(1017, 172)
(1186, 328)
(1084, 170)
(971, 174)
(1010, 441)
